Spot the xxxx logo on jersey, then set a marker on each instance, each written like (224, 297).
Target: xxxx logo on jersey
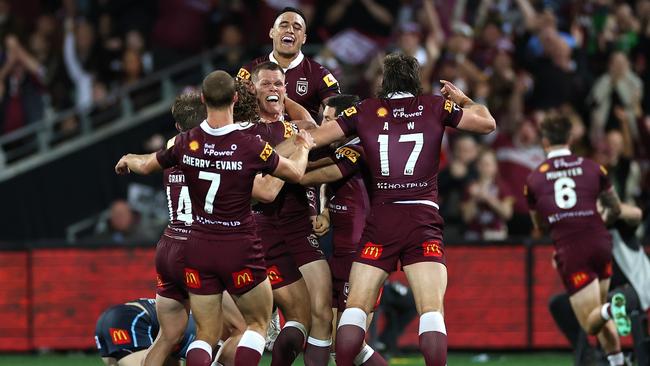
(350, 111)
(243, 74)
(266, 152)
(289, 129)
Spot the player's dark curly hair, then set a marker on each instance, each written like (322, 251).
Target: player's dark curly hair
(557, 129)
(246, 108)
(188, 111)
(401, 74)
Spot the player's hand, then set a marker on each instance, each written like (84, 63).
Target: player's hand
(122, 167)
(320, 224)
(305, 139)
(451, 92)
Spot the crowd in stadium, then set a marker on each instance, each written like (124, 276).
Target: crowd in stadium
(523, 58)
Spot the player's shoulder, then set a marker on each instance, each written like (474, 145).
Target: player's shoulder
(539, 171)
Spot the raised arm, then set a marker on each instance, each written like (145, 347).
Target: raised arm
(327, 133)
(138, 164)
(266, 188)
(476, 117)
(611, 203)
(293, 168)
(326, 174)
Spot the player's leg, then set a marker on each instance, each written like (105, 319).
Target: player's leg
(234, 326)
(318, 279)
(291, 301)
(134, 359)
(587, 305)
(172, 316)
(256, 306)
(365, 282)
(428, 281)
(206, 310)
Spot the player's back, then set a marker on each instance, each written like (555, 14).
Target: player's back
(564, 191)
(401, 137)
(219, 166)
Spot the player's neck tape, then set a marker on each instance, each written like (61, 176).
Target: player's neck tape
(432, 322)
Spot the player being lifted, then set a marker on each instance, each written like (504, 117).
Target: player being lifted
(401, 133)
(562, 194)
(220, 163)
(309, 84)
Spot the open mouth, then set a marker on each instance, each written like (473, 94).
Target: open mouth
(288, 41)
(272, 98)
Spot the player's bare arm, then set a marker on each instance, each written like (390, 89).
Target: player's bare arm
(611, 203)
(326, 134)
(297, 112)
(631, 214)
(266, 188)
(293, 168)
(476, 117)
(326, 174)
(139, 164)
(538, 222)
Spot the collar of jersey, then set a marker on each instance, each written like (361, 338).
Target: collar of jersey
(557, 153)
(293, 63)
(222, 130)
(400, 95)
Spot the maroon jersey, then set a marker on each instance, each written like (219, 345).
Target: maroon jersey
(564, 191)
(308, 82)
(178, 202)
(401, 139)
(292, 202)
(348, 199)
(220, 165)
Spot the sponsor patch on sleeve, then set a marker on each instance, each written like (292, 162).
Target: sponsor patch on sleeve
(243, 74)
(266, 152)
(329, 80)
(289, 129)
(350, 111)
(449, 105)
(604, 170)
(346, 152)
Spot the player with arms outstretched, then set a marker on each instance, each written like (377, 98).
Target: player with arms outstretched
(220, 163)
(401, 133)
(562, 194)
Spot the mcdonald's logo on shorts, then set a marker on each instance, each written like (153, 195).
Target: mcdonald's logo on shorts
(159, 282)
(371, 251)
(119, 336)
(579, 279)
(608, 269)
(274, 275)
(432, 249)
(192, 279)
(242, 278)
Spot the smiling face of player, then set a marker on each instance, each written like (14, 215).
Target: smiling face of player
(270, 90)
(288, 34)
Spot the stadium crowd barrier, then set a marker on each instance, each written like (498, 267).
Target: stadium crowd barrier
(50, 298)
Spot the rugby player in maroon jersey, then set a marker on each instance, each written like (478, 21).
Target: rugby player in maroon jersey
(401, 132)
(347, 209)
(309, 84)
(223, 252)
(562, 194)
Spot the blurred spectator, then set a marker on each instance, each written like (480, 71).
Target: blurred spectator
(623, 171)
(124, 226)
(488, 203)
(620, 89)
(22, 80)
(232, 50)
(517, 155)
(453, 181)
(77, 47)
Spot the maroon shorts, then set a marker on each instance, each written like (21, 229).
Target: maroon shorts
(297, 238)
(212, 266)
(170, 268)
(410, 233)
(340, 266)
(580, 262)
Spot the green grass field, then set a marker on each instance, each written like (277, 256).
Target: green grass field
(455, 359)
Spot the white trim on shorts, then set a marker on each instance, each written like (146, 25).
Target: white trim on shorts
(419, 202)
